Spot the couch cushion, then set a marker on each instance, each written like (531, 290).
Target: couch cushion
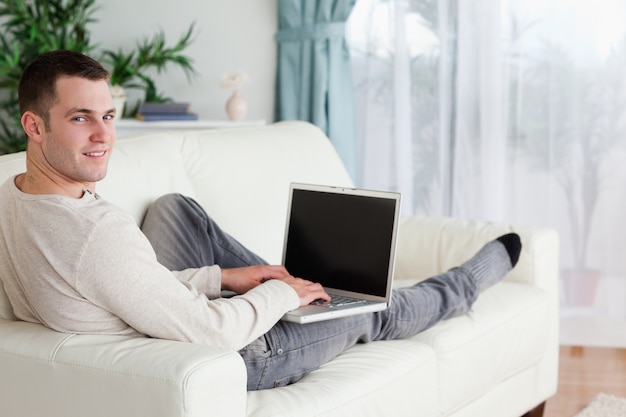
(429, 245)
(506, 328)
(10, 165)
(398, 375)
(143, 168)
(239, 180)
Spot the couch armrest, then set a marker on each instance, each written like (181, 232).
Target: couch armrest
(54, 374)
(428, 246)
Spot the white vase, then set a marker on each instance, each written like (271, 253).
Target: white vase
(236, 106)
(119, 100)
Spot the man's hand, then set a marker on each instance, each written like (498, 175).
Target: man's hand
(242, 280)
(307, 291)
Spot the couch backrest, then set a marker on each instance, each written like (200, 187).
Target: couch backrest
(141, 169)
(240, 176)
(10, 165)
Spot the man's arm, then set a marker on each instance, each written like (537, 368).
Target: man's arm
(119, 272)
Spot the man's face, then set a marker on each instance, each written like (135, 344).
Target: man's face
(82, 134)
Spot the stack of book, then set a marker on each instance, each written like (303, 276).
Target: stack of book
(149, 112)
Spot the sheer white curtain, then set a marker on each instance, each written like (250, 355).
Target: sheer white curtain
(503, 111)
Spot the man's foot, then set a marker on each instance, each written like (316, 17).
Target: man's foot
(513, 246)
(494, 260)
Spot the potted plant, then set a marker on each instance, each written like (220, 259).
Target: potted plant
(131, 70)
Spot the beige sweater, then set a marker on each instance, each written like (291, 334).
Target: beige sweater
(83, 266)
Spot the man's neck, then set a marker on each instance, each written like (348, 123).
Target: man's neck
(30, 183)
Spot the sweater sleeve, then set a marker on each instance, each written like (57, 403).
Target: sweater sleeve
(118, 271)
(207, 280)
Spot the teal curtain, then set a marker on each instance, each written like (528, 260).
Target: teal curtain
(314, 81)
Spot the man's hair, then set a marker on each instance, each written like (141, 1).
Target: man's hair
(37, 87)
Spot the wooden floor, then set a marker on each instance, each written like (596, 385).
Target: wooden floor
(585, 372)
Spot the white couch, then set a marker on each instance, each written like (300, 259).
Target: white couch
(500, 360)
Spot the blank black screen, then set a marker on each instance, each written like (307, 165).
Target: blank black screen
(342, 241)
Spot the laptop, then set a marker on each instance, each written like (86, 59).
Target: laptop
(345, 239)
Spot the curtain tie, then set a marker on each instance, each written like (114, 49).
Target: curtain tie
(317, 32)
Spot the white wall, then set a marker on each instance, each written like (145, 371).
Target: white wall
(230, 35)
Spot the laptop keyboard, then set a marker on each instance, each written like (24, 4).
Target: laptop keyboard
(338, 301)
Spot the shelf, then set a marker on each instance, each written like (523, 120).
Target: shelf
(126, 127)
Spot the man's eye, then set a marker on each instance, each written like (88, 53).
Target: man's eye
(79, 119)
(108, 117)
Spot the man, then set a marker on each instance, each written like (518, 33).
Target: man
(78, 264)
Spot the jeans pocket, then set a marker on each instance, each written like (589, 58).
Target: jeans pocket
(256, 357)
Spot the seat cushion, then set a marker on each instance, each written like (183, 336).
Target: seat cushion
(398, 376)
(507, 329)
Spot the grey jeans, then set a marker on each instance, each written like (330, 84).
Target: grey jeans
(184, 236)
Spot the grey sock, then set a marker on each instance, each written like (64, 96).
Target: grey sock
(513, 245)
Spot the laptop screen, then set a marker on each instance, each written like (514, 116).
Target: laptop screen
(341, 240)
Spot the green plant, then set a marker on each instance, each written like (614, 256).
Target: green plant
(132, 70)
(28, 29)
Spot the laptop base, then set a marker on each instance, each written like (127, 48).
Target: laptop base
(313, 313)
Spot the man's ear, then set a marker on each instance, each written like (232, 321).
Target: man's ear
(33, 125)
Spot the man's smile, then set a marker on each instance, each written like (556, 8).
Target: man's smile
(95, 153)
